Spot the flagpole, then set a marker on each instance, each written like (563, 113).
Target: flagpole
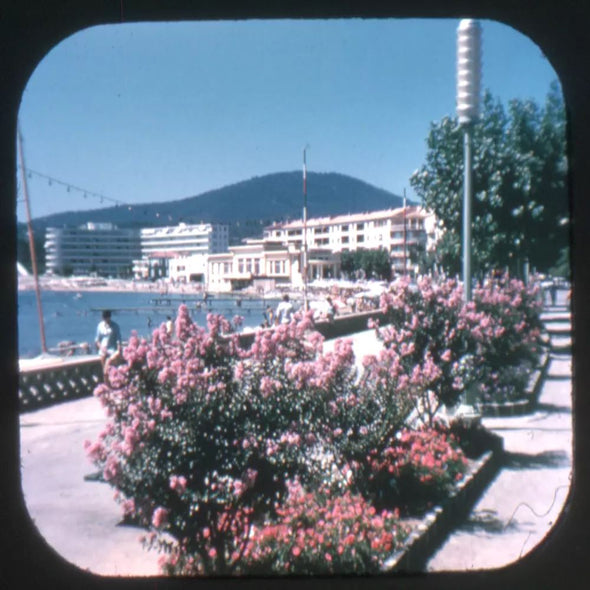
(31, 242)
(405, 235)
(305, 302)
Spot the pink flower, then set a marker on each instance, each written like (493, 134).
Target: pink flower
(159, 517)
(446, 355)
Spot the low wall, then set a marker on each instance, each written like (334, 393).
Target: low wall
(339, 327)
(47, 381)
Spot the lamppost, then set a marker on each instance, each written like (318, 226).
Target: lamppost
(468, 100)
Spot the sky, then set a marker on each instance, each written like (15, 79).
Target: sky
(152, 112)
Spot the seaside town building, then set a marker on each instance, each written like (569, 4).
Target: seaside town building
(395, 230)
(92, 248)
(200, 253)
(179, 252)
(266, 264)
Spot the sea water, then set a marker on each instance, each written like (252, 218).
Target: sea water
(72, 316)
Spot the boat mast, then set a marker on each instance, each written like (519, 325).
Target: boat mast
(31, 241)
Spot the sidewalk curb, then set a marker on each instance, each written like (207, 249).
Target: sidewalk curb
(439, 522)
(524, 406)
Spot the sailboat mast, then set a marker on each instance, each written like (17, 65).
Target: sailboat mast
(31, 241)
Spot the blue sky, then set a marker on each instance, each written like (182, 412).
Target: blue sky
(153, 112)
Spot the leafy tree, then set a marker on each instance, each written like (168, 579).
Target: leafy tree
(520, 205)
(373, 263)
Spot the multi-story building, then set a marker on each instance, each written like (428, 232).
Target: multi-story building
(92, 248)
(192, 243)
(255, 262)
(395, 230)
(266, 264)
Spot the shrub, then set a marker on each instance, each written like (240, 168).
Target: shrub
(203, 434)
(430, 331)
(513, 345)
(319, 534)
(439, 347)
(416, 470)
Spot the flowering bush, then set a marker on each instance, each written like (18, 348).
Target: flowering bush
(204, 434)
(438, 347)
(319, 534)
(430, 330)
(417, 469)
(513, 345)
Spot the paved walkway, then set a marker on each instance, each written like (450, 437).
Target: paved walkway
(80, 520)
(525, 500)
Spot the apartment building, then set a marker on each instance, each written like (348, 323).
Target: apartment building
(91, 248)
(161, 247)
(395, 230)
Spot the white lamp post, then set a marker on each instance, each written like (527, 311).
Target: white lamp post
(468, 102)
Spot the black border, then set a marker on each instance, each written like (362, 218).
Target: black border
(28, 30)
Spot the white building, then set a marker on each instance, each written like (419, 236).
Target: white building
(187, 269)
(191, 243)
(263, 263)
(395, 230)
(92, 248)
(266, 264)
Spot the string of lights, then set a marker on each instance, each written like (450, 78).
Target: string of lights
(86, 193)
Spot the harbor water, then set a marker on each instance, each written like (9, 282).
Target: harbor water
(73, 316)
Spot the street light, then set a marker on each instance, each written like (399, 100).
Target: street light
(468, 102)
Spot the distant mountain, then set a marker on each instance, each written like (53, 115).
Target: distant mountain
(271, 197)
(247, 206)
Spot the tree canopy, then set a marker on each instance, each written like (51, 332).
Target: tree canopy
(520, 205)
(371, 263)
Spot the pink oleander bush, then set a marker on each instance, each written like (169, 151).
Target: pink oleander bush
(514, 347)
(438, 347)
(203, 434)
(317, 533)
(416, 469)
(205, 438)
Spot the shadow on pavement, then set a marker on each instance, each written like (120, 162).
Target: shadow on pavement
(553, 409)
(486, 521)
(551, 459)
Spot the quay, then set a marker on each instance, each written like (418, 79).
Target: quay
(78, 519)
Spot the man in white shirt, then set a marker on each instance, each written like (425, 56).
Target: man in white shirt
(285, 311)
(108, 342)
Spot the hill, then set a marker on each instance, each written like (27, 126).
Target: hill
(246, 206)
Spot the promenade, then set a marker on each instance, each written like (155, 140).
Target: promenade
(80, 520)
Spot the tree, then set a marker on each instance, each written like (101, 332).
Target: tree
(374, 263)
(520, 205)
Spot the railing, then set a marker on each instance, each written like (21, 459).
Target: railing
(47, 381)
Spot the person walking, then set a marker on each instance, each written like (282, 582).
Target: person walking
(284, 313)
(108, 342)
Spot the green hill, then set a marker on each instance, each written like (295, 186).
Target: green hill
(246, 206)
